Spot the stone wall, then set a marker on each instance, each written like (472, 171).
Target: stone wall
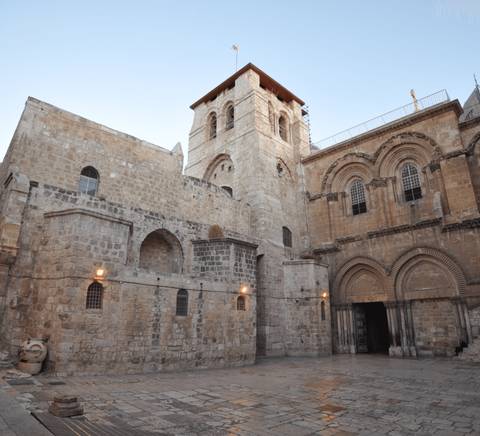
(402, 251)
(436, 328)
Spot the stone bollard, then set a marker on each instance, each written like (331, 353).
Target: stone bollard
(65, 406)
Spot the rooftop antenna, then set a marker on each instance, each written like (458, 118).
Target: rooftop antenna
(236, 48)
(415, 101)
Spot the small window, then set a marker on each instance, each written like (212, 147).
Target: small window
(228, 189)
(241, 303)
(357, 192)
(322, 310)
(88, 183)
(230, 117)
(411, 183)
(212, 126)
(287, 237)
(182, 303)
(94, 296)
(282, 128)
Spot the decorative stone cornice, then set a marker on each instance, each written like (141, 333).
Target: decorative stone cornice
(398, 124)
(86, 212)
(225, 240)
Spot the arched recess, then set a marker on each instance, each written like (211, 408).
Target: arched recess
(359, 162)
(473, 160)
(425, 272)
(282, 169)
(221, 171)
(215, 232)
(408, 145)
(473, 143)
(161, 252)
(361, 280)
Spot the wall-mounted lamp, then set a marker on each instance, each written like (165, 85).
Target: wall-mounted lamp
(244, 289)
(324, 294)
(100, 273)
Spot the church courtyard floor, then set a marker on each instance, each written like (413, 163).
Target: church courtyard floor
(339, 395)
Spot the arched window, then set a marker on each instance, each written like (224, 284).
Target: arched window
(322, 310)
(212, 125)
(411, 182)
(282, 128)
(88, 183)
(230, 116)
(240, 303)
(357, 192)
(182, 303)
(287, 237)
(228, 189)
(94, 296)
(271, 117)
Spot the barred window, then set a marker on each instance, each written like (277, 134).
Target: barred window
(282, 128)
(88, 182)
(212, 125)
(241, 303)
(357, 192)
(230, 117)
(411, 183)
(182, 303)
(94, 296)
(287, 237)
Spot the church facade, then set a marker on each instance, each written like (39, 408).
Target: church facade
(123, 261)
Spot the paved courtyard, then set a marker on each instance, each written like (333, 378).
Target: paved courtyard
(341, 395)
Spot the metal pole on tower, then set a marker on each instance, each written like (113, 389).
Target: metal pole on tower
(236, 48)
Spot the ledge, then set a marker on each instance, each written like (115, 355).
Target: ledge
(89, 213)
(226, 240)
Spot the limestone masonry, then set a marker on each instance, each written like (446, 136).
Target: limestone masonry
(121, 262)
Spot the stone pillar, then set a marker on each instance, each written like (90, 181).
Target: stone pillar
(394, 330)
(407, 334)
(463, 321)
(345, 327)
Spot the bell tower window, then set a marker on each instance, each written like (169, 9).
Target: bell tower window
(212, 126)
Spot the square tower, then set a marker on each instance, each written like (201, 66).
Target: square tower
(249, 136)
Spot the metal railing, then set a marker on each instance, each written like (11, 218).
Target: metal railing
(388, 117)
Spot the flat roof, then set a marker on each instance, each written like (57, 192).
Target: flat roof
(265, 80)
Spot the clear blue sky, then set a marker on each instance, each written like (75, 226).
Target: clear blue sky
(136, 66)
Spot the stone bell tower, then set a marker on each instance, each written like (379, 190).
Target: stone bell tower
(249, 136)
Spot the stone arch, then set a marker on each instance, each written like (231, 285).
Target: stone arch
(407, 145)
(473, 143)
(347, 172)
(361, 279)
(215, 232)
(161, 252)
(282, 169)
(335, 167)
(424, 265)
(222, 162)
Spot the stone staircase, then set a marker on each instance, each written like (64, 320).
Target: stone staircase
(472, 352)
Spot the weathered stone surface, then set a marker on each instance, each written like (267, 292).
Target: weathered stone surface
(177, 250)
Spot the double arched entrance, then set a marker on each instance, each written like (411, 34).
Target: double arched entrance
(413, 307)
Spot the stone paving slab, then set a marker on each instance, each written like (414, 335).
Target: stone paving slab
(15, 420)
(338, 395)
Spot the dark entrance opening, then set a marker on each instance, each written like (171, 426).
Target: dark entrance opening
(371, 328)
